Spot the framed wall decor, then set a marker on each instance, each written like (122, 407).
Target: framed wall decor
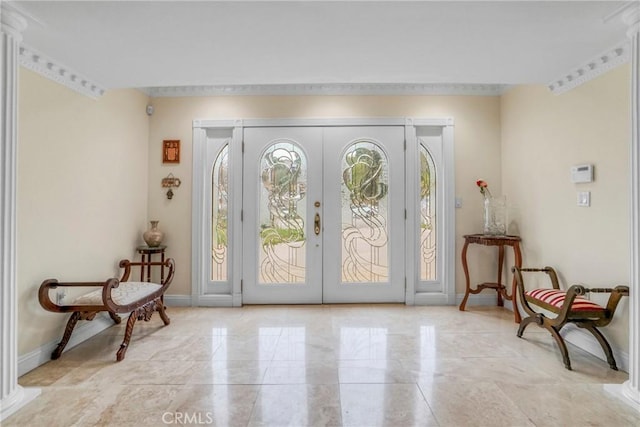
(171, 151)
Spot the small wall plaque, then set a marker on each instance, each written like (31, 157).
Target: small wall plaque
(170, 182)
(171, 151)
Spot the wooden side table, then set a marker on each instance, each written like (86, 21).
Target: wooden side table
(500, 242)
(146, 252)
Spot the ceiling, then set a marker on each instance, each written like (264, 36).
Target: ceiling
(122, 44)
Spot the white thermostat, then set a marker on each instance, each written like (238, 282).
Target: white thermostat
(581, 173)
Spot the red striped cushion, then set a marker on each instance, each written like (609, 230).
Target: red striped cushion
(555, 298)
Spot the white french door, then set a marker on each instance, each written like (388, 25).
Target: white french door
(282, 260)
(363, 184)
(323, 214)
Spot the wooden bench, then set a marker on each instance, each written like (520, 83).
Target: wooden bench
(140, 299)
(569, 307)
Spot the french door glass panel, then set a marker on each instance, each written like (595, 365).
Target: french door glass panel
(217, 261)
(364, 203)
(282, 180)
(365, 237)
(428, 218)
(282, 244)
(219, 216)
(431, 236)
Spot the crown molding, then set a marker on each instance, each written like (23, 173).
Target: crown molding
(42, 64)
(597, 66)
(329, 89)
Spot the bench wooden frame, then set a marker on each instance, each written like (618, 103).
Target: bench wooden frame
(585, 319)
(141, 309)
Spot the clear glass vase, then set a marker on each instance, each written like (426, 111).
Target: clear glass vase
(495, 216)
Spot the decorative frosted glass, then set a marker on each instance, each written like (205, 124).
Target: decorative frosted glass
(365, 213)
(282, 211)
(219, 223)
(428, 230)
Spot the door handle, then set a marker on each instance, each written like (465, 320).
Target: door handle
(316, 224)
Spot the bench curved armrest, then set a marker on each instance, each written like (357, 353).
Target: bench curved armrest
(126, 265)
(111, 305)
(612, 303)
(616, 294)
(49, 305)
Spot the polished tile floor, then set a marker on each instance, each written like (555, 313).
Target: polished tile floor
(332, 365)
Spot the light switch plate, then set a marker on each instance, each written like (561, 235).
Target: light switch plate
(458, 202)
(584, 198)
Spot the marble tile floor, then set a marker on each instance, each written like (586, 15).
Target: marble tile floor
(328, 365)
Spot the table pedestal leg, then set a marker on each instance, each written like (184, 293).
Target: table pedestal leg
(514, 298)
(500, 263)
(465, 267)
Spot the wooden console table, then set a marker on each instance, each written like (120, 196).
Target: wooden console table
(500, 242)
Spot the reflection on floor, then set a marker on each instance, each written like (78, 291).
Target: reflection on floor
(364, 365)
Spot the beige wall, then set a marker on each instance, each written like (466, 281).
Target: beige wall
(543, 135)
(82, 192)
(477, 153)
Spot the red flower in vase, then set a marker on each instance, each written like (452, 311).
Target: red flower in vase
(484, 188)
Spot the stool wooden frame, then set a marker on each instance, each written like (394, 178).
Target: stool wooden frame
(589, 320)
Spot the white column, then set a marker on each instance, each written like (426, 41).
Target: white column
(12, 396)
(630, 390)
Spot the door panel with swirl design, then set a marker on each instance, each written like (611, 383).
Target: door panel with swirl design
(282, 180)
(363, 188)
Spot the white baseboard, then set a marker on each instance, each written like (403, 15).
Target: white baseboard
(177, 300)
(215, 300)
(82, 332)
(431, 298)
(421, 298)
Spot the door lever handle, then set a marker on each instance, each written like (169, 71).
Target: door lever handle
(316, 224)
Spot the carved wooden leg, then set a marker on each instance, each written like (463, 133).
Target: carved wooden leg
(526, 322)
(563, 347)
(127, 335)
(117, 319)
(67, 334)
(500, 263)
(603, 343)
(161, 311)
(465, 268)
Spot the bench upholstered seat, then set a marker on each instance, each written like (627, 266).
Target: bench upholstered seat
(553, 300)
(126, 293)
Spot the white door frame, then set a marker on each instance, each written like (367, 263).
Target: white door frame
(445, 187)
(232, 130)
